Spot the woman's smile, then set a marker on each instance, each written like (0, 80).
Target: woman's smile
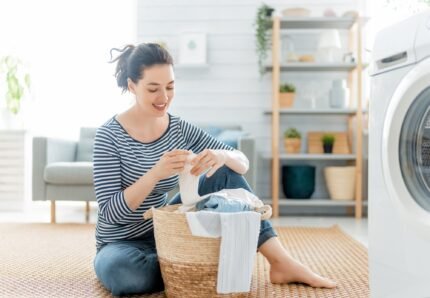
(159, 107)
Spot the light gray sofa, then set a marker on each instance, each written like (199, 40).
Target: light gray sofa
(63, 170)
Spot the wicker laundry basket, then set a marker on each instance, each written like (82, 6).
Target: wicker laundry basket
(189, 264)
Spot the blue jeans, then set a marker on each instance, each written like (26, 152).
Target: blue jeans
(131, 266)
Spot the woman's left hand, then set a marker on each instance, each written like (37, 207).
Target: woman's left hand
(208, 159)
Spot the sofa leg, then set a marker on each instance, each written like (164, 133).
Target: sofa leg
(87, 212)
(53, 211)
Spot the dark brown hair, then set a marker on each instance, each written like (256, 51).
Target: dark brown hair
(133, 60)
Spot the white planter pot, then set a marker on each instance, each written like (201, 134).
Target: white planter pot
(338, 94)
(8, 120)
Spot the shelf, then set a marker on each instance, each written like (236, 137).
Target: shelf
(314, 111)
(316, 22)
(278, 156)
(313, 202)
(312, 66)
(305, 156)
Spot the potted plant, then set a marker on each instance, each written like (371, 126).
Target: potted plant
(17, 83)
(292, 140)
(286, 95)
(328, 141)
(262, 24)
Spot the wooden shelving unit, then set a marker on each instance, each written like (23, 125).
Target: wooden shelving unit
(353, 25)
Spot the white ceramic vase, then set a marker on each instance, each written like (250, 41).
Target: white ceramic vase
(9, 121)
(338, 94)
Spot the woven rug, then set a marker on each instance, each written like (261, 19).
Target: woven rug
(44, 260)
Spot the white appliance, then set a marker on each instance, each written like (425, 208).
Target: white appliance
(399, 161)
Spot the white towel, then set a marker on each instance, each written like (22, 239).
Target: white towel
(204, 223)
(239, 238)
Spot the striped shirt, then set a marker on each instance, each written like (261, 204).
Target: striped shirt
(120, 160)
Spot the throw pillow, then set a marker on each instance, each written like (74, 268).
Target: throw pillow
(231, 137)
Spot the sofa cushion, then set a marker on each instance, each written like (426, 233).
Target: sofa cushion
(86, 144)
(231, 137)
(69, 173)
(212, 130)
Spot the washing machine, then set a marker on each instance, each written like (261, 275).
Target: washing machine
(399, 161)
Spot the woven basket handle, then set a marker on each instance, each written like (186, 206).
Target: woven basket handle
(265, 211)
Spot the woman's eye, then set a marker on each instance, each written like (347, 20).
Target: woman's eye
(152, 91)
(170, 88)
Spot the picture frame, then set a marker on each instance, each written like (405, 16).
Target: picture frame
(192, 48)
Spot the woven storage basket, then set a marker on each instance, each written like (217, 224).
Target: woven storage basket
(340, 182)
(189, 264)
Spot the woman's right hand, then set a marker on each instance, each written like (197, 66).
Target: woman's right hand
(171, 163)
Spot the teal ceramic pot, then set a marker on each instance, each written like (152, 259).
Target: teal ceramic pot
(298, 182)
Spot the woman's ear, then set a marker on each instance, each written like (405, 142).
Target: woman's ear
(131, 86)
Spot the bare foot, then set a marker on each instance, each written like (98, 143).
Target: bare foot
(293, 271)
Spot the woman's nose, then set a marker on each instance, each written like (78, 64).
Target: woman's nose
(164, 94)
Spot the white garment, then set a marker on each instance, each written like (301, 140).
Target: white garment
(188, 185)
(239, 238)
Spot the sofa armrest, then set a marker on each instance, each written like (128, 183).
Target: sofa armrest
(246, 144)
(45, 151)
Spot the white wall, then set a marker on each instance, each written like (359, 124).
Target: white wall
(230, 91)
(66, 46)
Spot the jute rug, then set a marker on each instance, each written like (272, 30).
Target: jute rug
(44, 260)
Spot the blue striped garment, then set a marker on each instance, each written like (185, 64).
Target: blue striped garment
(120, 160)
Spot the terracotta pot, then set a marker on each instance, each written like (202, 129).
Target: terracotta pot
(292, 145)
(286, 100)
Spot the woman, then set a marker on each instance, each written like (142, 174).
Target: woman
(137, 157)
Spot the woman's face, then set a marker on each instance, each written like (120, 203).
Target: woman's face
(155, 90)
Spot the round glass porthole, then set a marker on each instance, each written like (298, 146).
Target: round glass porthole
(414, 149)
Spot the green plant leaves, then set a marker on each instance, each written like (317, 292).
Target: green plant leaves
(16, 80)
(292, 133)
(262, 24)
(328, 139)
(283, 88)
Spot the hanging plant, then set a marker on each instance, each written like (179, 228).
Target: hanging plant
(262, 23)
(16, 80)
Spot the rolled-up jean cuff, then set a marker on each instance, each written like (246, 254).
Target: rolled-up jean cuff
(265, 235)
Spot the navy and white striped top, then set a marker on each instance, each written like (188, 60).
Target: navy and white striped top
(120, 160)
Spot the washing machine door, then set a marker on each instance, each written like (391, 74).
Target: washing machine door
(406, 147)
